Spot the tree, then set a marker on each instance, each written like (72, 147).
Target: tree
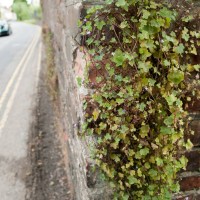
(21, 8)
(20, 1)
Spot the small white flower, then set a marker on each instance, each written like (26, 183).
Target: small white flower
(88, 32)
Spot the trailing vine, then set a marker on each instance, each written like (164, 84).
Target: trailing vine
(143, 53)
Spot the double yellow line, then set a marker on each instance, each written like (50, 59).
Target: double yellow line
(15, 81)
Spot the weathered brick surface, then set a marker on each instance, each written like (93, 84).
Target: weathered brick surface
(193, 160)
(190, 183)
(194, 106)
(195, 126)
(61, 17)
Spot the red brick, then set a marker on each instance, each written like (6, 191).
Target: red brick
(190, 183)
(195, 126)
(194, 106)
(193, 160)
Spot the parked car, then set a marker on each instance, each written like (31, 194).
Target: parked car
(5, 28)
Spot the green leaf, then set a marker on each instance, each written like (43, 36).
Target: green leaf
(102, 126)
(121, 111)
(144, 35)
(118, 58)
(124, 24)
(151, 82)
(120, 101)
(176, 77)
(120, 3)
(175, 137)
(89, 41)
(95, 114)
(118, 78)
(125, 197)
(166, 63)
(179, 103)
(146, 14)
(188, 145)
(166, 130)
(108, 136)
(144, 53)
(100, 24)
(99, 140)
(169, 120)
(115, 144)
(153, 173)
(159, 161)
(147, 165)
(196, 67)
(99, 79)
(187, 18)
(165, 12)
(179, 49)
(153, 5)
(185, 34)
(183, 161)
(144, 66)
(124, 129)
(88, 26)
(115, 157)
(193, 50)
(171, 99)
(111, 71)
(144, 131)
(109, 1)
(139, 172)
(141, 106)
(132, 180)
(144, 151)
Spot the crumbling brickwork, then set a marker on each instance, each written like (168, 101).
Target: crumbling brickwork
(61, 17)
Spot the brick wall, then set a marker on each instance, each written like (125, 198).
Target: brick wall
(61, 17)
(190, 179)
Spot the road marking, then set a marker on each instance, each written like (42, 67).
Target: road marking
(12, 97)
(10, 83)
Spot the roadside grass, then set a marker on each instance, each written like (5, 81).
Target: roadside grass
(52, 77)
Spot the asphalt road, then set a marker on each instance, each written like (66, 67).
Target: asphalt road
(19, 72)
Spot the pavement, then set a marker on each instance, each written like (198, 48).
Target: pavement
(20, 55)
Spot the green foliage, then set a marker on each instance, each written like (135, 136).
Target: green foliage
(21, 1)
(35, 12)
(25, 11)
(22, 10)
(144, 50)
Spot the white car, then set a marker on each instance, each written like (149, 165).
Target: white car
(5, 28)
